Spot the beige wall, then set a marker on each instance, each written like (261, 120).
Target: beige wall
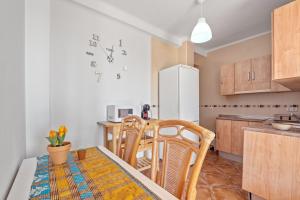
(199, 60)
(163, 55)
(186, 53)
(209, 84)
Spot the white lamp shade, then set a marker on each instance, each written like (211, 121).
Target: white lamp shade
(201, 32)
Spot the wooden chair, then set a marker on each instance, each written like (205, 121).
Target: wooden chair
(131, 131)
(146, 143)
(177, 155)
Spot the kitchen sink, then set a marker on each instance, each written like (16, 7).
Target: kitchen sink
(258, 117)
(295, 125)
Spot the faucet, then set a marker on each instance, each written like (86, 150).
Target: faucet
(295, 116)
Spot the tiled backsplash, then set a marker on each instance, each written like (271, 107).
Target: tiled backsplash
(249, 106)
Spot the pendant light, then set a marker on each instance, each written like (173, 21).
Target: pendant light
(201, 32)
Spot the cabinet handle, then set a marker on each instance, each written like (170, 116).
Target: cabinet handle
(253, 75)
(249, 76)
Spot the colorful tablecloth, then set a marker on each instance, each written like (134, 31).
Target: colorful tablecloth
(96, 177)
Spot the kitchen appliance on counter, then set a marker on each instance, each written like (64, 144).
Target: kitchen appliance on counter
(146, 114)
(115, 113)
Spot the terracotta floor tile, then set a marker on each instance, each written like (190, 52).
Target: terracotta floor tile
(204, 193)
(210, 169)
(236, 180)
(202, 180)
(220, 179)
(229, 170)
(217, 179)
(228, 194)
(222, 161)
(224, 177)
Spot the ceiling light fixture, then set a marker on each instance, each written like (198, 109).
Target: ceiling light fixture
(201, 32)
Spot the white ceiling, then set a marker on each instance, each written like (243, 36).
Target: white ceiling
(230, 20)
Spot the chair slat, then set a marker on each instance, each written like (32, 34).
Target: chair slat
(177, 154)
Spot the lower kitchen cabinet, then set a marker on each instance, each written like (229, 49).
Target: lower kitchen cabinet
(256, 124)
(237, 137)
(223, 137)
(230, 135)
(271, 165)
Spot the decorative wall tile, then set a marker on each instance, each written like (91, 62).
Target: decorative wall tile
(247, 106)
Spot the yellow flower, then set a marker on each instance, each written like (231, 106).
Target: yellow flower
(61, 134)
(62, 129)
(52, 134)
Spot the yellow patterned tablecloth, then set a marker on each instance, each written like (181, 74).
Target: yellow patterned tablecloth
(96, 177)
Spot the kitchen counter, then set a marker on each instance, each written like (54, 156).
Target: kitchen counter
(271, 162)
(249, 118)
(269, 129)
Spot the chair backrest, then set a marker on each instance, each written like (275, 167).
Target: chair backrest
(177, 155)
(131, 131)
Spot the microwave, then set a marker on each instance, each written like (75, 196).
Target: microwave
(116, 113)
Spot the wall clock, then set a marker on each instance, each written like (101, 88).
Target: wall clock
(109, 53)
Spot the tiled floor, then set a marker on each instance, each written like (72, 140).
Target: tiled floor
(220, 179)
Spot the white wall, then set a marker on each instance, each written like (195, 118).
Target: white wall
(37, 36)
(12, 91)
(76, 99)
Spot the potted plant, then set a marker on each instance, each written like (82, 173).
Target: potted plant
(58, 149)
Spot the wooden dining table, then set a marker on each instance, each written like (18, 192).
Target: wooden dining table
(22, 185)
(113, 128)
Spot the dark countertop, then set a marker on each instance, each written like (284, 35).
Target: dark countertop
(294, 132)
(249, 118)
(266, 127)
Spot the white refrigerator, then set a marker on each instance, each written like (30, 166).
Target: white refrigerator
(179, 95)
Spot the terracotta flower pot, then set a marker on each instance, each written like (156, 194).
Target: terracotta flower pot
(59, 155)
(81, 154)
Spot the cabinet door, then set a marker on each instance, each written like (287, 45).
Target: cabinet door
(271, 165)
(286, 40)
(237, 137)
(256, 124)
(223, 130)
(261, 73)
(227, 80)
(276, 87)
(242, 76)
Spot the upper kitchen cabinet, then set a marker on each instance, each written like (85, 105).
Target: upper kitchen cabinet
(242, 76)
(286, 45)
(253, 75)
(227, 80)
(261, 73)
(249, 76)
